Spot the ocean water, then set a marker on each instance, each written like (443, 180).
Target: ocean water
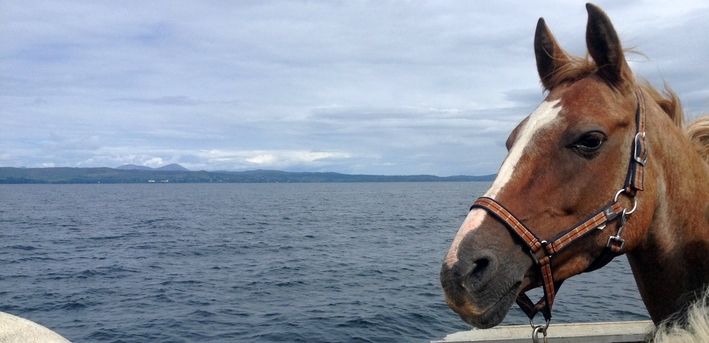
(252, 262)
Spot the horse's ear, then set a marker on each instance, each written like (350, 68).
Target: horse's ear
(550, 57)
(604, 46)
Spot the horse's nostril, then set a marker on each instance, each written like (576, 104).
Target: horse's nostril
(479, 274)
(471, 274)
(479, 268)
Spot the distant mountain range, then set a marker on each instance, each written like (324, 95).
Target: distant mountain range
(174, 173)
(168, 167)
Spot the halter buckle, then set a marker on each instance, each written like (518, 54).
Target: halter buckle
(639, 152)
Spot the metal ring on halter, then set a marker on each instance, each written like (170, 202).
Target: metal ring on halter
(537, 330)
(635, 201)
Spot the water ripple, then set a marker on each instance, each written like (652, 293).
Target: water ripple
(227, 263)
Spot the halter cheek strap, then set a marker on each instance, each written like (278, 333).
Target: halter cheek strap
(542, 250)
(635, 180)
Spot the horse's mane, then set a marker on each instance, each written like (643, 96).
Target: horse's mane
(694, 327)
(576, 68)
(698, 133)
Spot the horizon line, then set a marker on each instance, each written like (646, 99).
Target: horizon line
(243, 170)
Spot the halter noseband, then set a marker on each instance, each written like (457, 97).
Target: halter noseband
(542, 250)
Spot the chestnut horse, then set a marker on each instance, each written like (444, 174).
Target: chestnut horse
(602, 167)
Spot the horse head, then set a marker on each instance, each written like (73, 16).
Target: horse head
(566, 161)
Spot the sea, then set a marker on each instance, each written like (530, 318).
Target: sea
(309, 262)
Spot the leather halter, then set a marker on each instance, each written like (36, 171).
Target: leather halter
(542, 250)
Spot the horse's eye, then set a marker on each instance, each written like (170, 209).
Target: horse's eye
(588, 144)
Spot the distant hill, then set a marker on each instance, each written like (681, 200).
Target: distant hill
(133, 167)
(174, 174)
(172, 167)
(168, 167)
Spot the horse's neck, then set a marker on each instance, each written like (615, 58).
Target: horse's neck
(671, 264)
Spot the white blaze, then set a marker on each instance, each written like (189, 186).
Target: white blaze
(543, 116)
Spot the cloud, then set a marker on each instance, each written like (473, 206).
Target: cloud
(176, 100)
(270, 159)
(154, 162)
(262, 159)
(386, 87)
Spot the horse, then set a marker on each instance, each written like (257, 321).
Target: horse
(604, 166)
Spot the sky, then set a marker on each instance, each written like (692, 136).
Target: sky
(375, 87)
